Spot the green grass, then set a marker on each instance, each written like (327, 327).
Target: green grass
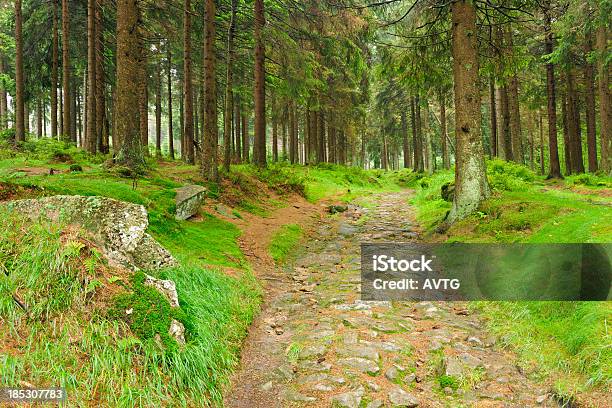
(284, 241)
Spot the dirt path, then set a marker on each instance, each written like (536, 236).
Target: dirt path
(316, 344)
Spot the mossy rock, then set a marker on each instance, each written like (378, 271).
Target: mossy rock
(76, 168)
(448, 191)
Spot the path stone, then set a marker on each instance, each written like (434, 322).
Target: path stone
(292, 395)
(400, 398)
(350, 399)
(313, 351)
(375, 404)
(360, 364)
(358, 350)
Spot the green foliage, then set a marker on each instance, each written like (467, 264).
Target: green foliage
(448, 381)
(146, 311)
(284, 241)
(509, 176)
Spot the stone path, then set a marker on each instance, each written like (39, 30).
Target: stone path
(317, 345)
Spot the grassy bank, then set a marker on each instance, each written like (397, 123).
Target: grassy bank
(569, 341)
(284, 241)
(70, 338)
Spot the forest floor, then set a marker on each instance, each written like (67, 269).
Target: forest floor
(316, 344)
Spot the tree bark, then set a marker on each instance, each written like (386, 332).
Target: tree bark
(605, 100)
(405, 142)
(66, 66)
(237, 129)
(39, 119)
(471, 186)
(129, 61)
(574, 124)
(542, 164)
(158, 111)
(54, 70)
(19, 80)
(506, 129)
(292, 133)
(188, 147)
(170, 124)
(101, 133)
(211, 135)
(274, 137)
(332, 158)
(91, 136)
(245, 138)
(259, 151)
(589, 96)
(229, 92)
(322, 143)
(143, 102)
(567, 144)
(444, 133)
(555, 167)
(493, 112)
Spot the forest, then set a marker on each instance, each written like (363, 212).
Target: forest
(300, 130)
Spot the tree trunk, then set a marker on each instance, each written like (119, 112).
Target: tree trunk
(211, 135)
(229, 92)
(542, 164)
(589, 96)
(321, 143)
(170, 124)
(54, 70)
(19, 80)
(237, 129)
(259, 152)
(605, 102)
(284, 130)
(91, 136)
(493, 112)
(444, 133)
(245, 138)
(143, 102)
(101, 133)
(128, 84)
(405, 143)
(292, 133)
(332, 141)
(567, 144)
(506, 129)
(39, 119)
(274, 137)
(158, 111)
(471, 186)
(415, 143)
(187, 87)
(574, 124)
(66, 66)
(26, 115)
(555, 167)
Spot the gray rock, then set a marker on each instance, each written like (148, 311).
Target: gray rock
(350, 399)
(267, 386)
(313, 351)
(469, 360)
(401, 398)
(375, 404)
(116, 227)
(360, 364)
(347, 229)
(358, 350)
(177, 331)
(292, 395)
(322, 387)
(392, 373)
(373, 386)
(452, 367)
(166, 287)
(188, 201)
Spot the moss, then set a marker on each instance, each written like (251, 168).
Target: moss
(150, 312)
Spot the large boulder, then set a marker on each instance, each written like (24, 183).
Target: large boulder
(188, 201)
(117, 227)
